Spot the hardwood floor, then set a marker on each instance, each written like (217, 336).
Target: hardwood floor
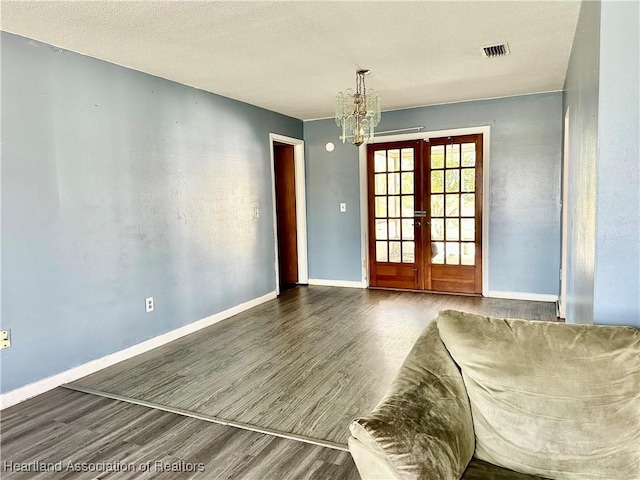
(304, 364)
(64, 426)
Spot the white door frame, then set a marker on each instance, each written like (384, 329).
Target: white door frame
(562, 300)
(485, 130)
(301, 207)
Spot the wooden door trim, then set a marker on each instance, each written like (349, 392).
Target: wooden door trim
(301, 210)
(485, 130)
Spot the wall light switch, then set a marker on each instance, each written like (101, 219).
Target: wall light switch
(5, 339)
(343, 207)
(148, 304)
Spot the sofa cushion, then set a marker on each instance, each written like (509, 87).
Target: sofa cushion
(422, 427)
(550, 399)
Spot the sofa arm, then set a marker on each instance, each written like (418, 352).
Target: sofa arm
(422, 428)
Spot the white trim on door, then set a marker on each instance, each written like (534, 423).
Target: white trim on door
(364, 213)
(301, 207)
(562, 300)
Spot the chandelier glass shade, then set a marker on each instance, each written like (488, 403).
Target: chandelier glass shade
(358, 113)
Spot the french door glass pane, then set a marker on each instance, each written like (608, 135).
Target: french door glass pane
(452, 205)
(407, 206)
(408, 252)
(437, 253)
(407, 160)
(437, 181)
(453, 180)
(468, 154)
(468, 205)
(394, 183)
(452, 229)
(468, 256)
(381, 230)
(394, 252)
(452, 254)
(394, 229)
(394, 206)
(381, 184)
(394, 160)
(468, 179)
(437, 156)
(381, 206)
(380, 161)
(468, 229)
(453, 156)
(437, 205)
(408, 230)
(437, 229)
(381, 252)
(407, 183)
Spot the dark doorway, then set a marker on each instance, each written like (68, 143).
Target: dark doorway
(285, 180)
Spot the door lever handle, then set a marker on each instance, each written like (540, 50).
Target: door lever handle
(416, 224)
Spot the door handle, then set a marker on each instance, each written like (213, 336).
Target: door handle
(416, 224)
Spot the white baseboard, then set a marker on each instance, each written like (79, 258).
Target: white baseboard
(36, 388)
(535, 297)
(336, 283)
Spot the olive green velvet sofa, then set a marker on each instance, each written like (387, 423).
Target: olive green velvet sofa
(489, 398)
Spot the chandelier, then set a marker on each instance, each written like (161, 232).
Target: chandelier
(358, 112)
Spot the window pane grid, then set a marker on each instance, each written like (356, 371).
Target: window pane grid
(452, 203)
(394, 181)
(452, 185)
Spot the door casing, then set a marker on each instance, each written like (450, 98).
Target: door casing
(364, 210)
(562, 300)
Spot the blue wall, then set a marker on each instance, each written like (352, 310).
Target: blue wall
(526, 142)
(581, 98)
(116, 186)
(617, 261)
(332, 177)
(601, 93)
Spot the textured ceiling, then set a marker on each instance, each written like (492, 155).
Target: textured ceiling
(293, 57)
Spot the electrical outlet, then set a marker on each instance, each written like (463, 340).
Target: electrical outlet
(149, 304)
(256, 212)
(5, 339)
(343, 207)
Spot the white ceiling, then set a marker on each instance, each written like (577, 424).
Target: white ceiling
(293, 57)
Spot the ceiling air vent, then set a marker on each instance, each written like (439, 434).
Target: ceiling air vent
(495, 50)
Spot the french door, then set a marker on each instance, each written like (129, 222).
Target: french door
(395, 239)
(425, 214)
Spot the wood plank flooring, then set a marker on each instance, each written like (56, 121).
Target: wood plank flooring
(66, 426)
(306, 363)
